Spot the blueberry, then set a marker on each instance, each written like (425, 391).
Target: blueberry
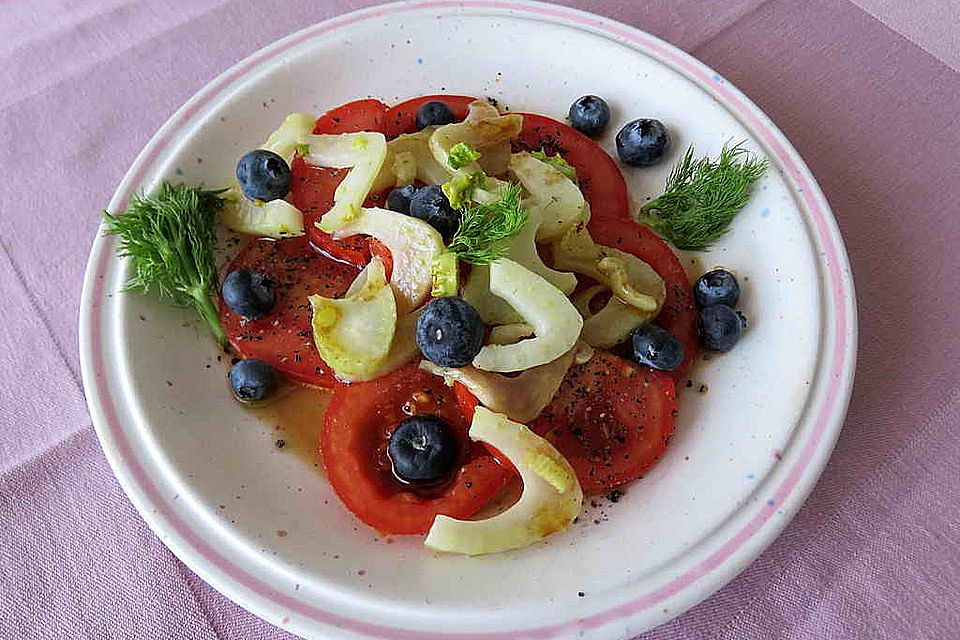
(431, 205)
(263, 175)
(248, 293)
(434, 113)
(422, 449)
(720, 328)
(253, 380)
(717, 287)
(399, 199)
(657, 348)
(589, 115)
(450, 332)
(642, 142)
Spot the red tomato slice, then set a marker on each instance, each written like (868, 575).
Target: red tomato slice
(467, 401)
(356, 431)
(359, 115)
(401, 118)
(679, 313)
(610, 419)
(599, 175)
(284, 338)
(380, 250)
(311, 191)
(311, 188)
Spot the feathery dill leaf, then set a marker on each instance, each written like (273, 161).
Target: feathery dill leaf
(484, 228)
(169, 237)
(702, 196)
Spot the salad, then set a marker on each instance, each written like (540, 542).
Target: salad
(473, 289)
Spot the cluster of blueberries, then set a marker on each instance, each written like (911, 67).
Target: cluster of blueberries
(640, 143)
(716, 293)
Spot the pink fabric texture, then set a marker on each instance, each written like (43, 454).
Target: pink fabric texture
(868, 93)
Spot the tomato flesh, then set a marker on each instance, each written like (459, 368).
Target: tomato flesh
(284, 338)
(402, 118)
(312, 188)
(356, 431)
(311, 191)
(598, 174)
(610, 419)
(380, 250)
(359, 115)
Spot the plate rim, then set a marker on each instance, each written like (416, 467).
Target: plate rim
(681, 592)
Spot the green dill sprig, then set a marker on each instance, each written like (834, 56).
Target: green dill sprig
(169, 237)
(702, 196)
(484, 228)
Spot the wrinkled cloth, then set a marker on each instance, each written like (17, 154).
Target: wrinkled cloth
(867, 90)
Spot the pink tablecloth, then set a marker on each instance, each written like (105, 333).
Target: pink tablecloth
(868, 90)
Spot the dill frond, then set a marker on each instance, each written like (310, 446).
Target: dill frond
(169, 238)
(484, 228)
(702, 197)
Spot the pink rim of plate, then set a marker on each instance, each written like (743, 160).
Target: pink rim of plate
(841, 352)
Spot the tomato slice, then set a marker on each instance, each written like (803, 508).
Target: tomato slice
(359, 115)
(610, 419)
(380, 250)
(401, 118)
(311, 191)
(467, 401)
(284, 338)
(599, 175)
(311, 188)
(679, 313)
(354, 440)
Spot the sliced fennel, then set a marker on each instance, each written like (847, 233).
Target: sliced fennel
(446, 275)
(364, 153)
(461, 155)
(609, 326)
(480, 110)
(492, 308)
(479, 134)
(510, 333)
(558, 162)
(637, 290)
(413, 244)
(522, 249)
(402, 350)
(353, 334)
(404, 168)
(495, 157)
(461, 188)
(290, 135)
(556, 322)
(401, 151)
(274, 219)
(551, 497)
(520, 397)
(556, 197)
(631, 279)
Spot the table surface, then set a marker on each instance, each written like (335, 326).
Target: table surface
(867, 90)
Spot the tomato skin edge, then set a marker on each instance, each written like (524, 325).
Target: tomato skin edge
(354, 426)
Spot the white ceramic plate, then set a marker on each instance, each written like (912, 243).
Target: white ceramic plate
(264, 528)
